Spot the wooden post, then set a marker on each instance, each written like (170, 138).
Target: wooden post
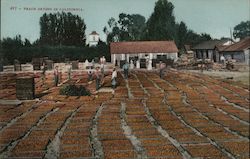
(17, 66)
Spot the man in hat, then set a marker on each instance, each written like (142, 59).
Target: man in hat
(56, 76)
(98, 78)
(162, 67)
(125, 68)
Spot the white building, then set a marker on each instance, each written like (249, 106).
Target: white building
(93, 38)
(145, 52)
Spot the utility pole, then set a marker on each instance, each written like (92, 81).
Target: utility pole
(231, 36)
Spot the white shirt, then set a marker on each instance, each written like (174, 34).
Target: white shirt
(222, 58)
(114, 74)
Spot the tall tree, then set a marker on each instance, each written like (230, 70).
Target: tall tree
(62, 29)
(137, 27)
(27, 43)
(181, 34)
(161, 24)
(10, 48)
(12, 43)
(112, 30)
(127, 28)
(195, 38)
(242, 30)
(205, 37)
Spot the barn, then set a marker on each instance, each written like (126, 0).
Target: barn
(238, 51)
(143, 54)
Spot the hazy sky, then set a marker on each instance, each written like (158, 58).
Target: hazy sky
(215, 17)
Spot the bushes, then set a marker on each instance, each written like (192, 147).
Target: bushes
(57, 54)
(73, 90)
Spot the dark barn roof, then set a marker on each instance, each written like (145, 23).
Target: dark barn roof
(136, 47)
(221, 47)
(208, 45)
(239, 46)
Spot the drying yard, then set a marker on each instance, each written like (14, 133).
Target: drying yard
(184, 115)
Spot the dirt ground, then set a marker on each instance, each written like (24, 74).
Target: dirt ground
(182, 115)
(238, 76)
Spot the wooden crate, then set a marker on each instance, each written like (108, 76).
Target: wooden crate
(25, 88)
(36, 62)
(75, 65)
(49, 64)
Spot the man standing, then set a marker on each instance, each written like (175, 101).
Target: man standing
(98, 78)
(162, 67)
(43, 73)
(102, 69)
(125, 70)
(222, 59)
(69, 72)
(89, 75)
(113, 78)
(56, 76)
(102, 62)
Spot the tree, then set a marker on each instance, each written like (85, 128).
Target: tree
(181, 34)
(10, 47)
(194, 38)
(62, 29)
(27, 43)
(11, 43)
(112, 31)
(242, 30)
(136, 27)
(205, 37)
(161, 24)
(127, 28)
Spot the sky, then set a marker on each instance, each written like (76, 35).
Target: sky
(214, 17)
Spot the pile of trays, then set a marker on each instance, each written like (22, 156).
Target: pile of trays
(25, 87)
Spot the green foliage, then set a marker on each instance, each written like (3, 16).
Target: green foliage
(181, 34)
(15, 42)
(62, 35)
(27, 43)
(161, 24)
(194, 38)
(10, 44)
(73, 90)
(127, 28)
(62, 29)
(24, 54)
(242, 30)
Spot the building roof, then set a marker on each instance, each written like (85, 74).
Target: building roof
(239, 46)
(209, 45)
(136, 47)
(93, 33)
(221, 47)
